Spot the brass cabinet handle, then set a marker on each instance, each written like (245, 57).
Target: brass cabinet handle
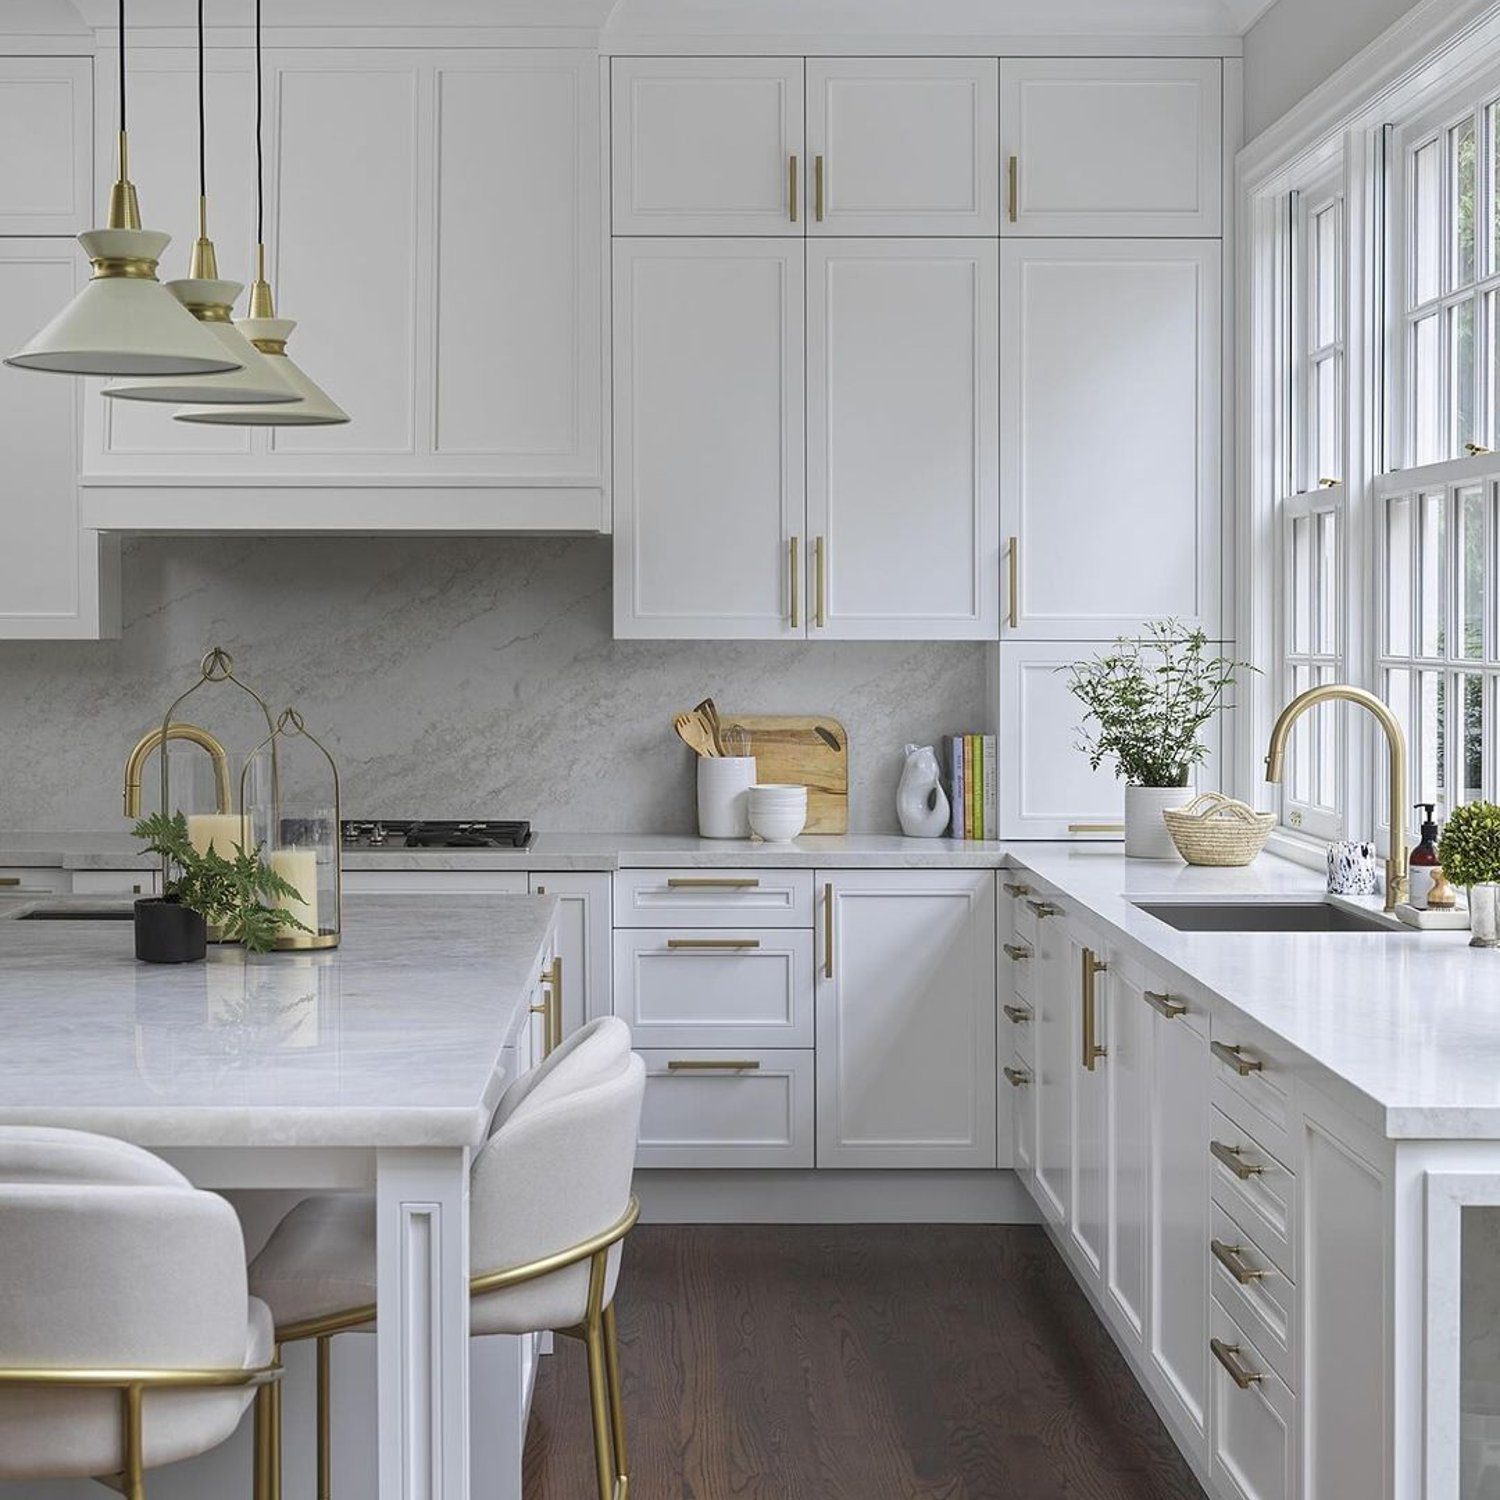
(1015, 951)
(1013, 173)
(713, 1065)
(820, 586)
(712, 882)
(10, 880)
(1017, 890)
(1096, 828)
(828, 930)
(1018, 1014)
(791, 187)
(550, 1007)
(818, 188)
(1235, 1057)
(1232, 1258)
(1164, 1004)
(1018, 1078)
(1092, 1052)
(734, 943)
(795, 548)
(1013, 568)
(1232, 1158)
(1228, 1355)
(1045, 908)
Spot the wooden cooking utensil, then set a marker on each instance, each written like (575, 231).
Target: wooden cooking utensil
(695, 734)
(710, 716)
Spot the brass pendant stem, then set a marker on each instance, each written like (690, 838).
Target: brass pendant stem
(262, 305)
(124, 207)
(204, 265)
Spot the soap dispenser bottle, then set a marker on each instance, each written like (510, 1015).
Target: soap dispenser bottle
(1423, 860)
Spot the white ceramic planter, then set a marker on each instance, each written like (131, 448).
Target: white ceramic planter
(1146, 835)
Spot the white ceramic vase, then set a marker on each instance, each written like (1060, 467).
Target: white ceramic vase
(1146, 835)
(921, 803)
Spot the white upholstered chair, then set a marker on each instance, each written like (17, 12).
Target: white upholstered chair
(550, 1204)
(128, 1339)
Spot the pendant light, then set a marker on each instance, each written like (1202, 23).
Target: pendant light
(124, 322)
(211, 302)
(263, 328)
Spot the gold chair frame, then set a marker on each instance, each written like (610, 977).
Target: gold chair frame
(132, 1386)
(597, 1333)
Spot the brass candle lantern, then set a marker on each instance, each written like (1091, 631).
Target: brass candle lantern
(290, 788)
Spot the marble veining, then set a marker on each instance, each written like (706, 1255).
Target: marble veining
(392, 1039)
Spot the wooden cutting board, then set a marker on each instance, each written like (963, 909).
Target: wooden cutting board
(807, 750)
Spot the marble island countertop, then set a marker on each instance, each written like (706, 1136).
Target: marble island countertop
(391, 1039)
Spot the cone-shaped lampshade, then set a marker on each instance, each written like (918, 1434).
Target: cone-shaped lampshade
(124, 321)
(257, 380)
(315, 409)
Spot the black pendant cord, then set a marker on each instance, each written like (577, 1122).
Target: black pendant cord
(202, 128)
(260, 168)
(122, 67)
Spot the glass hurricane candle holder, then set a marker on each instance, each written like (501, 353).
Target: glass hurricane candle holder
(290, 785)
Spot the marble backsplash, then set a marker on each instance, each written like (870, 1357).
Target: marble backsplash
(454, 677)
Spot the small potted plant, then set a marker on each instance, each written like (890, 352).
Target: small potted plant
(1469, 853)
(1146, 703)
(207, 889)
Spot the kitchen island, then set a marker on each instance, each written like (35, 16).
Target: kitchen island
(376, 1065)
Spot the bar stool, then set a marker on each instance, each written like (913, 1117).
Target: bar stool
(550, 1204)
(127, 1335)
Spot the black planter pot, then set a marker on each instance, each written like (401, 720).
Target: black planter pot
(166, 932)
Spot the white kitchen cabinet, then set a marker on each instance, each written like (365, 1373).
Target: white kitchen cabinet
(46, 168)
(467, 351)
(1128, 1142)
(583, 941)
(58, 579)
(708, 425)
(1255, 1423)
(906, 1019)
(902, 146)
(1055, 1060)
(902, 371)
(707, 145)
(115, 882)
(1109, 435)
(1089, 1005)
(1112, 146)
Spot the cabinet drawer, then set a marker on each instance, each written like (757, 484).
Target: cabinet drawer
(1018, 1079)
(1254, 1290)
(715, 987)
(1258, 1193)
(436, 882)
(116, 882)
(1254, 1423)
(1253, 1083)
(26, 880)
(1018, 1027)
(739, 1108)
(714, 898)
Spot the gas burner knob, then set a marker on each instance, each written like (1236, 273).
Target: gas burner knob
(377, 834)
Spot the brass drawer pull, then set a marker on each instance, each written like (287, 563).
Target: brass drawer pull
(795, 547)
(1018, 1014)
(1016, 951)
(1012, 194)
(731, 943)
(712, 1065)
(1013, 589)
(1164, 1004)
(1017, 890)
(791, 188)
(828, 930)
(818, 188)
(1231, 1157)
(1228, 1355)
(10, 880)
(1232, 1258)
(820, 583)
(1092, 1051)
(1045, 908)
(1235, 1057)
(1018, 1078)
(715, 882)
(1096, 828)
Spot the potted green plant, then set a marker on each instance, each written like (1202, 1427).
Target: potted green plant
(1146, 703)
(206, 889)
(1469, 853)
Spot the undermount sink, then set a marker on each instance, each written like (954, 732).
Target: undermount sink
(1264, 916)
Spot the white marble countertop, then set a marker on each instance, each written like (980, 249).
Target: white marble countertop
(391, 1039)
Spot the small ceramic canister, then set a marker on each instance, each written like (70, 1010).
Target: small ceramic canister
(1351, 868)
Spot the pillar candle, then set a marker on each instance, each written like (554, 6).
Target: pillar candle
(299, 868)
(221, 830)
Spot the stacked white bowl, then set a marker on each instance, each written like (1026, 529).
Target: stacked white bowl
(777, 813)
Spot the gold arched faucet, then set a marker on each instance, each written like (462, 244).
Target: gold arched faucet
(152, 740)
(1395, 865)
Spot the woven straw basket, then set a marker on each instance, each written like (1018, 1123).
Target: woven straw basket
(1216, 830)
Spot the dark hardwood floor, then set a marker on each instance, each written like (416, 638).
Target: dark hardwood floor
(888, 1362)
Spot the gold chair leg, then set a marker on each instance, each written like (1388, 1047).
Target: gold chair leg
(133, 1479)
(616, 1405)
(325, 1417)
(593, 1339)
(275, 1440)
(263, 1443)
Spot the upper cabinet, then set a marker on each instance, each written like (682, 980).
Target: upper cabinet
(902, 146)
(707, 145)
(1112, 146)
(46, 166)
(456, 314)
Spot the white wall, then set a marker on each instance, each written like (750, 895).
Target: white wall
(1299, 43)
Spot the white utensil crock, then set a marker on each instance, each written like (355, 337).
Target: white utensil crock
(1146, 835)
(724, 783)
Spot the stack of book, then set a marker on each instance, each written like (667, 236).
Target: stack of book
(971, 775)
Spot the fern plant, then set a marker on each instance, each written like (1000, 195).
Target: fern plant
(232, 894)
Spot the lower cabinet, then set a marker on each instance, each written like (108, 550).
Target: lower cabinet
(1054, 1060)
(583, 933)
(1254, 1422)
